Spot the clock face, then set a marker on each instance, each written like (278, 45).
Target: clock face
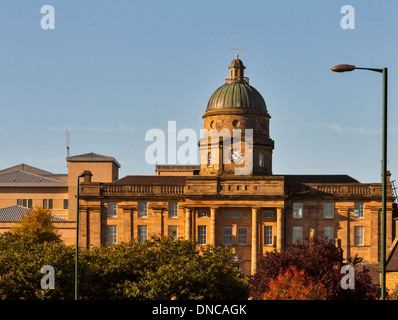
(235, 155)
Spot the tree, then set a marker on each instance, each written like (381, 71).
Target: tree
(319, 259)
(295, 285)
(38, 226)
(160, 268)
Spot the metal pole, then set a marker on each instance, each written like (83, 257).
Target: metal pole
(77, 239)
(384, 188)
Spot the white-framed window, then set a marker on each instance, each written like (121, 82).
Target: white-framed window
(202, 235)
(358, 210)
(297, 210)
(235, 214)
(173, 231)
(242, 235)
(328, 210)
(328, 233)
(173, 209)
(268, 236)
(261, 159)
(202, 213)
(112, 234)
(268, 214)
(142, 233)
(358, 236)
(142, 209)
(112, 210)
(227, 235)
(298, 234)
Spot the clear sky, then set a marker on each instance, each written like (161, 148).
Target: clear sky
(112, 70)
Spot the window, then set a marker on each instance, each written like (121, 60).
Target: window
(173, 231)
(358, 210)
(173, 209)
(268, 214)
(328, 210)
(112, 234)
(261, 159)
(112, 209)
(328, 232)
(66, 204)
(142, 233)
(209, 164)
(227, 235)
(268, 238)
(244, 214)
(358, 236)
(48, 203)
(235, 213)
(297, 210)
(202, 214)
(142, 210)
(24, 202)
(237, 266)
(297, 234)
(242, 235)
(225, 214)
(202, 235)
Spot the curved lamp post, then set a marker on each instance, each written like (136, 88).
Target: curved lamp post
(77, 233)
(345, 68)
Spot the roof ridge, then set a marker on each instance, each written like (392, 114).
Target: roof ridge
(29, 173)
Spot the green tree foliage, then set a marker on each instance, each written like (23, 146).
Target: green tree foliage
(38, 226)
(21, 260)
(161, 268)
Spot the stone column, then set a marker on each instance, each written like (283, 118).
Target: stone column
(188, 223)
(344, 232)
(254, 242)
(95, 228)
(279, 227)
(213, 213)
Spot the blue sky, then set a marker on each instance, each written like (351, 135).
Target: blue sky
(112, 70)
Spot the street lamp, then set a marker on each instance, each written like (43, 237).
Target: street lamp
(344, 68)
(77, 233)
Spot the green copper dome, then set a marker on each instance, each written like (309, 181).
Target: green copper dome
(236, 93)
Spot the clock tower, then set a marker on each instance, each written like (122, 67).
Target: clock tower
(236, 129)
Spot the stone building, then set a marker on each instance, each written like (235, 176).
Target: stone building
(232, 198)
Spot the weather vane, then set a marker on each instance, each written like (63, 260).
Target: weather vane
(237, 48)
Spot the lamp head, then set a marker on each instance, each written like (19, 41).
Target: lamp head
(343, 68)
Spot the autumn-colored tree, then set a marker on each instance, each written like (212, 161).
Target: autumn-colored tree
(294, 284)
(322, 261)
(37, 225)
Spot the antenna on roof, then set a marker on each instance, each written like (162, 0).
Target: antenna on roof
(67, 144)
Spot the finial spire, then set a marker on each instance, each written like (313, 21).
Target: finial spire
(237, 48)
